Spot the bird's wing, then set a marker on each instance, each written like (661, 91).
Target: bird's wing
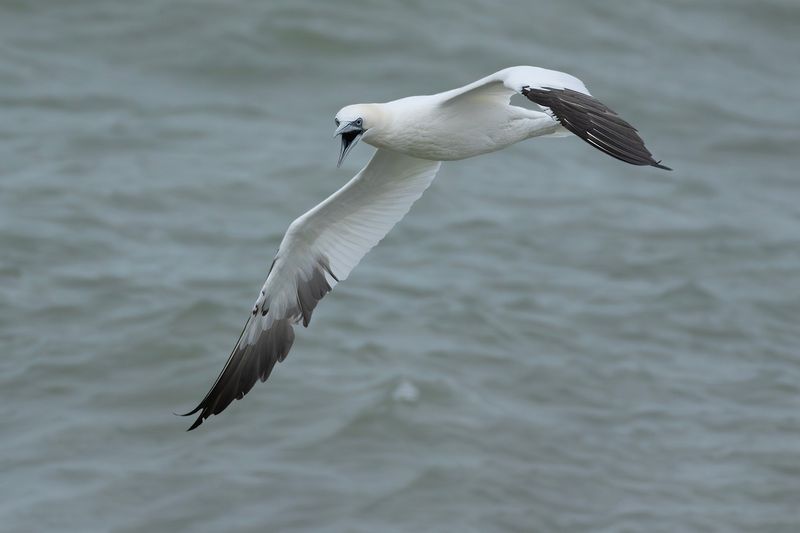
(505, 83)
(319, 249)
(567, 100)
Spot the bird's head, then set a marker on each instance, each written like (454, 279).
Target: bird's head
(352, 122)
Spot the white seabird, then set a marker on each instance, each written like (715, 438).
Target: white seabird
(412, 136)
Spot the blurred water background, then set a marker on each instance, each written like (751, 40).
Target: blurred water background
(550, 341)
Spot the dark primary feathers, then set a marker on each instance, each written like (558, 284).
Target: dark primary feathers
(251, 362)
(246, 365)
(592, 121)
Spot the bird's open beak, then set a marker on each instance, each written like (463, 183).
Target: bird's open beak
(350, 135)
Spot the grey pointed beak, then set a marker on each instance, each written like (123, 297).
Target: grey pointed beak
(350, 134)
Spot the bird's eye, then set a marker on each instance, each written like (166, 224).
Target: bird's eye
(336, 120)
(359, 122)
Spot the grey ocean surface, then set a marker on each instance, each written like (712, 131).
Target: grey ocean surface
(551, 340)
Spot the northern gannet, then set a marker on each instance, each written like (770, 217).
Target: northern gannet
(412, 136)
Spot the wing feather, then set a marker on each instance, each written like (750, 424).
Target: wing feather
(594, 122)
(568, 102)
(319, 249)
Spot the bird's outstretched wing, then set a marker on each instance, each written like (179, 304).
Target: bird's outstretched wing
(319, 249)
(566, 99)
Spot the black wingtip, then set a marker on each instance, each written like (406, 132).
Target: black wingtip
(190, 413)
(199, 418)
(595, 123)
(196, 423)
